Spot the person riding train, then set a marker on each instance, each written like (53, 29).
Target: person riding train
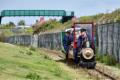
(80, 47)
(82, 42)
(67, 40)
(83, 39)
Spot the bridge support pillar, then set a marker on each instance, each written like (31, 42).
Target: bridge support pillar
(66, 18)
(0, 19)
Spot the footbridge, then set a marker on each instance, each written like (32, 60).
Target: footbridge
(17, 13)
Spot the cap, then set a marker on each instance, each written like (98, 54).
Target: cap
(83, 30)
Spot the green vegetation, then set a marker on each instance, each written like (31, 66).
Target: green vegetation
(2, 37)
(6, 30)
(93, 18)
(32, 48)
(106, 17)
(10, 29)
(33, 76)
(107, 59)
(29, 30)
(48, 25)
(53, 25)
(21, 23)
(22, 63)
(9, 25)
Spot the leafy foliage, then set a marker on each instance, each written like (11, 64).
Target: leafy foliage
(21, 22)
(29, 53)
(107, 59)
(9, 25)
(32, 48)
(2, 37)
(50, 24)
(33, 76)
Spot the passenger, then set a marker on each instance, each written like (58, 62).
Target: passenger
(67, 43)
(83, 37)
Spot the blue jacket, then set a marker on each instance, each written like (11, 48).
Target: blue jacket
(67, 42)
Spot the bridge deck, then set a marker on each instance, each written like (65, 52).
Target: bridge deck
(10, 13)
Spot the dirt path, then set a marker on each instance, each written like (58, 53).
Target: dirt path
(77, 73)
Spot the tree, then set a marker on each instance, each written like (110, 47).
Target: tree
(21, 22)
(11, 24)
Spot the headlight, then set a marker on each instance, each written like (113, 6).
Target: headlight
(87, 53)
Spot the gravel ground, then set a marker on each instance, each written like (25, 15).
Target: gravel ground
(110, 70)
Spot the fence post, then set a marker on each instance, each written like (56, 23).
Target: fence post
(35, 41)
(119, 41)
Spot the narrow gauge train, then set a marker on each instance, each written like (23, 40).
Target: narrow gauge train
(86, 54)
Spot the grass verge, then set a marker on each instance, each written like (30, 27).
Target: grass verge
(22, 63)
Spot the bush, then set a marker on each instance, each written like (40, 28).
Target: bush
(32, 48)
(2, 37)
(98, 57)
(29, 53)
(58, 72)
(110, 60)
(118, 65)
(46, 57)
(22, 52)
(33, 76)
(107, 59)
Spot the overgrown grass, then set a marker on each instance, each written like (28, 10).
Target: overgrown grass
(22, 63)
(107, 59)
(32, 48)
(33, 76)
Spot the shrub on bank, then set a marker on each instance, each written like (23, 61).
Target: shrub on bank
(33, 76)
(2, 37)
(32, 48)
(107, 59)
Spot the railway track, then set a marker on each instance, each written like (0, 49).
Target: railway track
(106, 75)
(97, 72)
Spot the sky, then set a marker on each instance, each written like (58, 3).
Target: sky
(80, 7)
